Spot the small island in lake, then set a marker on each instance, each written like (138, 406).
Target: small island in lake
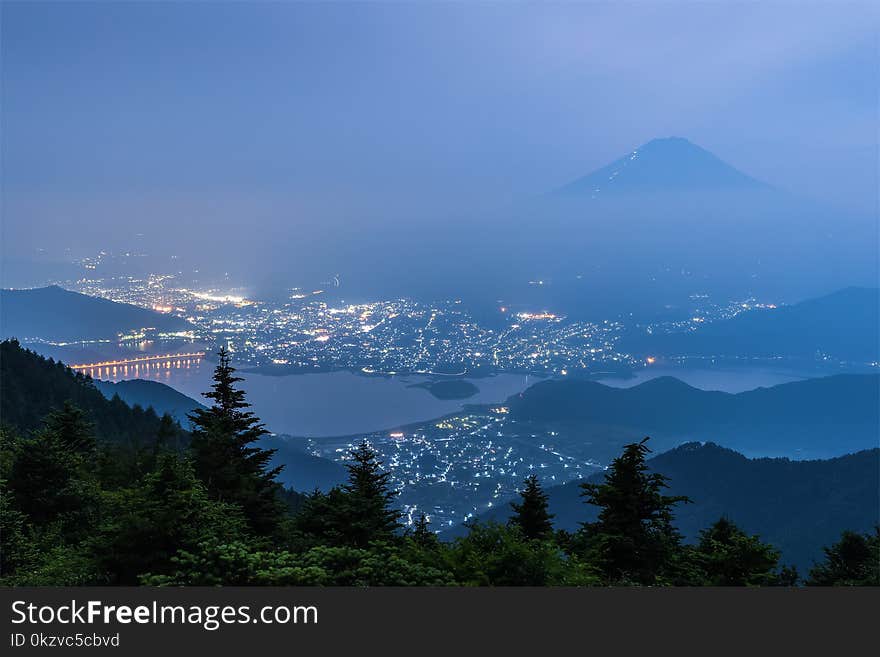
(454, 389)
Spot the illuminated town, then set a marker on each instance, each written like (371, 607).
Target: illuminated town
(312, 332)
(464, 464)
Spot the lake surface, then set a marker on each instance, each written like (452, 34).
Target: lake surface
(338, 403)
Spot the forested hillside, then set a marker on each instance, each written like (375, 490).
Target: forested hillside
(77, 508)
(32, 386)
(797, 506)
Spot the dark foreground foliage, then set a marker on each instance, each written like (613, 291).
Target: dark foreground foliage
(77, 509)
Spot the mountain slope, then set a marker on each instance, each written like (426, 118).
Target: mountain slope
(32, 386)
(162, 398)
(814, 418)
(53, 313)
(302, 470)
(798, 506)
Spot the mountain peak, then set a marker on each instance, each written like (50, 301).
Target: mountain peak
(663, 164)
(669, 142)
(669, 383)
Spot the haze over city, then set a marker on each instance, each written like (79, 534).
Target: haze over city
(293, 142)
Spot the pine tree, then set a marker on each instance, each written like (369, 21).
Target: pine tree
(72, 428)
(321, 519)
(853, 561)
(151, 521)
(368, 511)
(168, 434)
(730, 557)
(633, 540)
(422, 534)
(225, 456)
(531, 515)
(16, 546)
(53, 484)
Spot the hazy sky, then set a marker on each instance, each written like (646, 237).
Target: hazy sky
(197, 119)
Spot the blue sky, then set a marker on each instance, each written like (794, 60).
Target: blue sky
(291, 118)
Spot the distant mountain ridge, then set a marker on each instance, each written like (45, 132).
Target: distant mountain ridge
(798, 506)
(146, 394)
(53, 313)
(813, 418)
(844, 324)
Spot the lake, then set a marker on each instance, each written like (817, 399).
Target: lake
(338, 403)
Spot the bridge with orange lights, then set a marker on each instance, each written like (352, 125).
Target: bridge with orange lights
(166, 359)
